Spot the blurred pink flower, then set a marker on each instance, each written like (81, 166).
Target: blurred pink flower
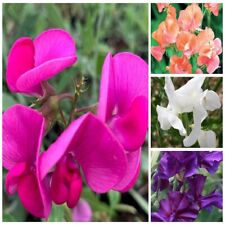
(82, 212)
(213, 7)
(23, 130)
(30, 62)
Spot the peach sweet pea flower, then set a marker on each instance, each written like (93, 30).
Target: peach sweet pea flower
(208, 49)
(213, 8)
(179, 65)
(208, 55)
(168, 30)
(191, 18)
(157, 52)
(187, 43)
(161, 6)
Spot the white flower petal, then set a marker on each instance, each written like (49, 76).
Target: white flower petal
(210, 100)
(207, 139)
(167, 119)
(189, 95)
(199, 114)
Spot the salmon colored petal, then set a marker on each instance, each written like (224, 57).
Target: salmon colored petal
(157, 52)
(103, 166)
(132, 173)
(23, 130)
(191, 18)
(20, 60)
(131, 128)
(161, 6)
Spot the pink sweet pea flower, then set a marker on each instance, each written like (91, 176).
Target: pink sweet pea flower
(87, 145)
(82, 212)
(213, 7)
(107, 147)
(157, 52)
(30, 62)
(23, 130)
(123, 106)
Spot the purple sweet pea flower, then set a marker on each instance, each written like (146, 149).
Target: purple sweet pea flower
(177, 207)
(172, 163)
(196, 185)
(210, 160)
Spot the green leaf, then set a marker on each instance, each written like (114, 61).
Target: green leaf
(140, 200)
(126, 208)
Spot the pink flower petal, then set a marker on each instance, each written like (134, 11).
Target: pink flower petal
(23, 130)
(75, 191)
(217, 46)
(30, 196)
(82, 212)
(13, 176)
(54, 51)
(20, 60)
(157, 52)
(43, 72)
(132, 173)
(131, 80)
(106, 99)
(131, 128)
(103, 166)
(53, 44)
(213, 64)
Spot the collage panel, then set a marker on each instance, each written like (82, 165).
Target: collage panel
(187, 112)
(186, 38)
(75, 112)
(186, 186)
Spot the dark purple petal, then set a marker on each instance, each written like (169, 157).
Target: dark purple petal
(210, 160)
(213, 199)
(196, 185)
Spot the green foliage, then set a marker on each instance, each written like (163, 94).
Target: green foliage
(97, 29)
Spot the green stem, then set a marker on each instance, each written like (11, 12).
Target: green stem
(86, 109)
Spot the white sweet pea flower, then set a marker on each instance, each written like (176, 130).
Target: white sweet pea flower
(188, 98)
(168, 119)
(207, 139)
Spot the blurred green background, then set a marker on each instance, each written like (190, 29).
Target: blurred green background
(171, 137)
(97, 29)
(216, 23)
(213, 182)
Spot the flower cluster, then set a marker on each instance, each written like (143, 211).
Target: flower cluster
(188, 40)
(105, 148)
(190, 98)
(179, 173)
